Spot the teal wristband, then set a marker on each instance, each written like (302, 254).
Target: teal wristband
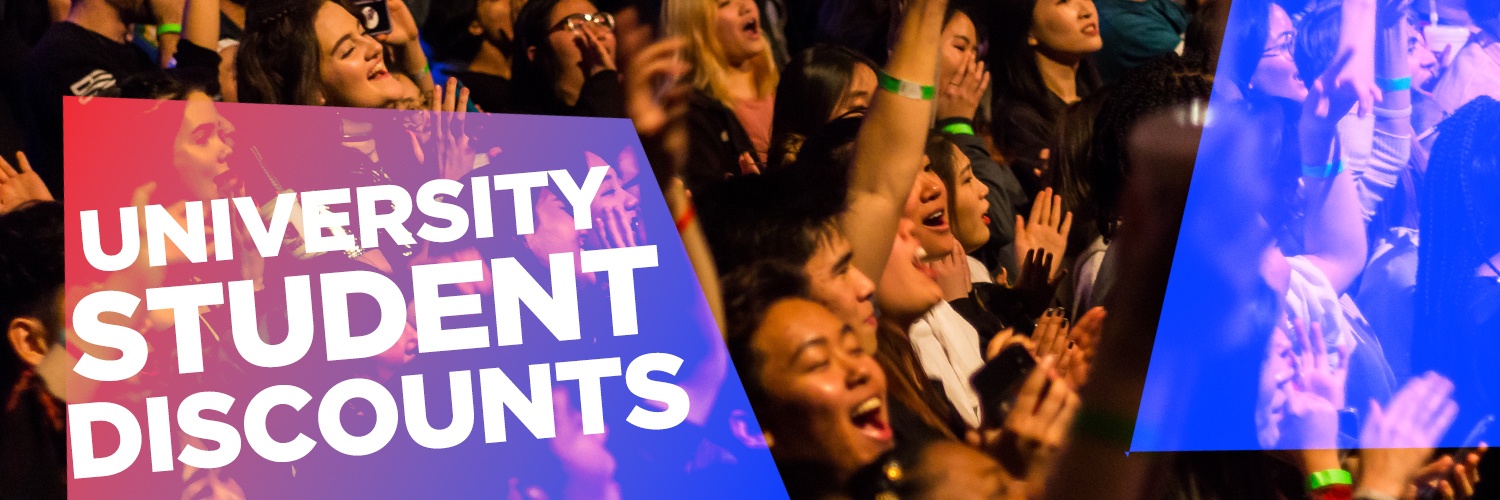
(905, 88)
(958, 129)
(1323, 171)
(1325, 478)
(1393, 85)
(168, 29)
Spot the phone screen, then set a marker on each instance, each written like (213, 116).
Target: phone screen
(374, 16)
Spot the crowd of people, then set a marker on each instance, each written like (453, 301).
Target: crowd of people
(884, 201)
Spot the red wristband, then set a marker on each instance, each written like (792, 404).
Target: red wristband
(686, 218)
(1334, 492)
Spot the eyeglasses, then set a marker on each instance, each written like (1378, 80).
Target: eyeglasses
(577, 22)
(1283, 45)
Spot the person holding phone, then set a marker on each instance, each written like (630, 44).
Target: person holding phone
(565, 61)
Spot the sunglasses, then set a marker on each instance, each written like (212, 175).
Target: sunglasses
(577, 22)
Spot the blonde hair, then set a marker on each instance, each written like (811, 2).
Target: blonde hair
(694, 20)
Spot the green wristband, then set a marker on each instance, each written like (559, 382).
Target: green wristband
(168, 29)
(905, 88)
(958, 129)
(1324, 478)
(1393, 85)
(1323, 171)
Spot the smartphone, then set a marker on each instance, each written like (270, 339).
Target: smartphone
(999, 381)
(374, 15)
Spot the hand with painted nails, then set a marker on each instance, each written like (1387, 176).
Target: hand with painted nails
(1036, 429)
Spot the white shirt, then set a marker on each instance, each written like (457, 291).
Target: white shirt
(947, 346)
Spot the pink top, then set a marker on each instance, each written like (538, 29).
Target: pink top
(755, 116)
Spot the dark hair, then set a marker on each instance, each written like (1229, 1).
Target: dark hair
(277, 61)
(1249, 28)
(1318, 39)
(31, 275)
(940, 161)
(1018, 81)
(748, 293)
(1460, 232)
(810, 89)
(830, 146)
(157, 85)
(782, 216)
(1070, 174)
(447, 31)
(535, 79)
(1151, 87)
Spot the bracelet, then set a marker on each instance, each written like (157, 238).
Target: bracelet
(1334, 492)
(958, 129)
(168, 29)
(1323, 171)
(1393, 84)
(1323, 478)
(687, 218)
(905, 88)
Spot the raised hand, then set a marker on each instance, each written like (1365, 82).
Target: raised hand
(597, 55)
(1314, 397)
(959, 97)
(656, 100)
(1046, 230)
(1051, 334)
(1033, 283)
(1005, 338)
(589, 466)
(1350, 78)
(1397, 439)
(1313, 370)
(1083, 344)
(451, 151)
(1036, 429)
(20, 187)
(952, 273)
(403, 25)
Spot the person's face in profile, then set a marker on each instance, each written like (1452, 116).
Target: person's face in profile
(201, 149)
(1276, 371)
(969, 204)
(1420, 60)
(834, 282)
(1276, 74)
(825, 396)
(928, 206)
(907, 289)
(351, 64)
